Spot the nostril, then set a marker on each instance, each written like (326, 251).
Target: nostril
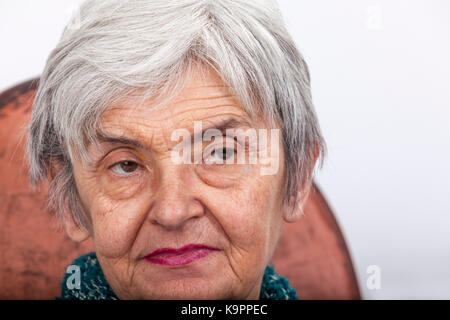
(197, 208)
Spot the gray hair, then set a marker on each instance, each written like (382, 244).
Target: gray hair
(115, 49)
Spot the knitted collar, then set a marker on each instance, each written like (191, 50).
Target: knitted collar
(94, 286)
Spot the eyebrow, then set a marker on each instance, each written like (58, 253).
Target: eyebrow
(221, 125)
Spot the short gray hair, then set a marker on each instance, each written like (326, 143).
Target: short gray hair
(115, 49)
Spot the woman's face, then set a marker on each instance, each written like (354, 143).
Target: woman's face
(140, 200)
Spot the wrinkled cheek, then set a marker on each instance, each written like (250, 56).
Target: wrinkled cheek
(249, 231)
(114, 228)
(266, 223)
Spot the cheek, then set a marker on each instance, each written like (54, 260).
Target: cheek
(248, 219)
(122, 189)
(116, 210)
(116, 224)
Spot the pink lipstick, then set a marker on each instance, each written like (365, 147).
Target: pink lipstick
(181, 256)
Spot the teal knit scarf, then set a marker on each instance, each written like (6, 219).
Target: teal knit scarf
(94, 286)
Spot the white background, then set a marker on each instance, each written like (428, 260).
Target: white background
(381, 85)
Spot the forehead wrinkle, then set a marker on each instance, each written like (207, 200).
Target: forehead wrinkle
(238, 118)
(195, 113)
(168, 112)
(204, 91)
(168, 119)
(214, 86)
(204, 98)
(120, 134)
(135, 138)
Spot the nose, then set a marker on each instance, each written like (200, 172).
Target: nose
(175, 203)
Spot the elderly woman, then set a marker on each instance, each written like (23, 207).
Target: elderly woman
(130, 87)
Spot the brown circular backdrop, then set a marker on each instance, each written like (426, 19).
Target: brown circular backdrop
(34, 252)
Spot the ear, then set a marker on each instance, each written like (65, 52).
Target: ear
(73, 230)
(293, 210)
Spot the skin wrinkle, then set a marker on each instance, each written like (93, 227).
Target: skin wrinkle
(209, 105)
(142, 55)
(205, 98)
(169, 205)
(209, 123)
(83, 76)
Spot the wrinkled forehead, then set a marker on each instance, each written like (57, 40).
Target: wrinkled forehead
(211, 106)
(205, 101)
(204, 97)
(199, 92)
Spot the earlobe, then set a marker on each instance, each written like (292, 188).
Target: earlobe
(75, 232)
(293, 210)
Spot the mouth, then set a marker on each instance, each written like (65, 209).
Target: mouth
(181, 256)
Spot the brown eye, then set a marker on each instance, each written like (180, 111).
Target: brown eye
(125, 167)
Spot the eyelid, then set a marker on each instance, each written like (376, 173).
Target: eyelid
(125, 174)
(130, 156)
(131, 152)
(139, 172)
(124, 160)
(208, 151)
(216, 146)
(97, 163)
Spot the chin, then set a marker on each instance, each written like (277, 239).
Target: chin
(186, 293)
(187, 289)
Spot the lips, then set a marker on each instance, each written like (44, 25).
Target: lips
(181, 256)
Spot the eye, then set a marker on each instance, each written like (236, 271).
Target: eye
(125, 167)
(220, 155)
